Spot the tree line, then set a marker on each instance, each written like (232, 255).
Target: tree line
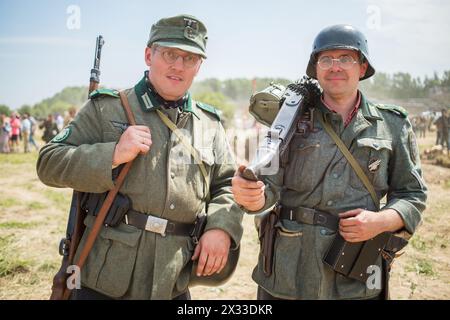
(228, 94)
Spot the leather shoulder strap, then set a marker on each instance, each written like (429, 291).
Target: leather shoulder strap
(351, 159)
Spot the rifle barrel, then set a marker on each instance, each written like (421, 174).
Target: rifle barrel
(95, 71)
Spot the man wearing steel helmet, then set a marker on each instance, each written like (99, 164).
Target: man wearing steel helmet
(320, 193)
(148, 254)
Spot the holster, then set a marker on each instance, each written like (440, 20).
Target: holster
(267, 234)
(352, 259)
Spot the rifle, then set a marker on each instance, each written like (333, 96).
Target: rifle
(95, 71)
(75, 224)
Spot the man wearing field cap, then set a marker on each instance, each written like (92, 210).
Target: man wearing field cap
(168, 184)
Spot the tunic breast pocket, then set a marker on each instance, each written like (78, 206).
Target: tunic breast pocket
(304, 157)
(373, 155)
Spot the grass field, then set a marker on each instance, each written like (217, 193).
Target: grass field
(33, 218)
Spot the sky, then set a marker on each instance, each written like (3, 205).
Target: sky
(47, 45)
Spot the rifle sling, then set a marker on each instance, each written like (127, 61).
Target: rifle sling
(99, 220)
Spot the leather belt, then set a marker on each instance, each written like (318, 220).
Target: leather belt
(158, 225)
(310, 216)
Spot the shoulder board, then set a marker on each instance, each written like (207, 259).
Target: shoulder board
(104, 92)
(210, 109)
(400, 111)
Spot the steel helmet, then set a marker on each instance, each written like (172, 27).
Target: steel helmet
(340, 36)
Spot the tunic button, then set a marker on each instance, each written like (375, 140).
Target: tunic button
(172, 175)
(323, 232)
(335, 175)
(172, 206)
(329, 203)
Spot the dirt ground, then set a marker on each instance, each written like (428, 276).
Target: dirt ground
(32, 220)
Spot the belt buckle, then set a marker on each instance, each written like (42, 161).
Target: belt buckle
(156, 225)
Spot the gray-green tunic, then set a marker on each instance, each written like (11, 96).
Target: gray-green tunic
(166, 182)
(319, 176)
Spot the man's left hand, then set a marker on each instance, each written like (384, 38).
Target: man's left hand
(212, 252)
(360, 225)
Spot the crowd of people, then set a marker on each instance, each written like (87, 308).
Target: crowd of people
(430, 121)
(17, 130)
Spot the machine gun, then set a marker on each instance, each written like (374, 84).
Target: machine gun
(294, 102)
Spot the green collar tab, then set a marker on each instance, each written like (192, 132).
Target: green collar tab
(368, 109)
(148, 101)
(104, 92)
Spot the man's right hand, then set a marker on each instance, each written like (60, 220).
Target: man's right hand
(249, 194)
(135, 140)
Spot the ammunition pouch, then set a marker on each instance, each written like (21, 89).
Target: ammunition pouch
(92, 202)
(352, 259)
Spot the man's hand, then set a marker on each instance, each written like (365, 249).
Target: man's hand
(135, 140)
(212, 252)
(249, 194)
(360, 225)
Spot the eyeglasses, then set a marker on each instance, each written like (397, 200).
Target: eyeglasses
(344, 62)
(170, 57)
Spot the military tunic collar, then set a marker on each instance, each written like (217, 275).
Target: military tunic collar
(366, 108)
(367, 113)
(149, 102)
